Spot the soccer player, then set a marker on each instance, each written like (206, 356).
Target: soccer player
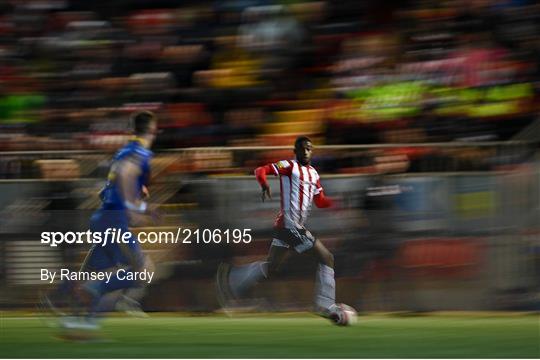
(123, 204)
(300, 186)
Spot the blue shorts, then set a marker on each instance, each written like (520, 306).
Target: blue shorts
(112, 254)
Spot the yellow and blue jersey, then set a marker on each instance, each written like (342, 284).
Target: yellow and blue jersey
(110, 196)
(113, 214)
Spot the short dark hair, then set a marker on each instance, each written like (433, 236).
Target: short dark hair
(299, 140)
(141, 122)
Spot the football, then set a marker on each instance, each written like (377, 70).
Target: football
(344, 315)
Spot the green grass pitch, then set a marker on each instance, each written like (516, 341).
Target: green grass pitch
(284, 336)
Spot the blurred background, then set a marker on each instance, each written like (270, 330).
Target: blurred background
(424, 116)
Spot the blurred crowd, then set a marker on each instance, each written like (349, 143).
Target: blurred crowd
(258, 72)
(261, 72)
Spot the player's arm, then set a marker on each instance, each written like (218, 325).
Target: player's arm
(260, 174)
(145, 193)
(127, 177)
(320, 199)
(283, 167)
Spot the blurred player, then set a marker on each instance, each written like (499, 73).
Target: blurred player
(300, 186)
(123, 204)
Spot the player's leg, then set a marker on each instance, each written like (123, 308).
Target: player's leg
(129, 258)
(132, 291)
(322, 254)
(74, 298)
(234, 282)
(243, 278)
(68, 298)
(277, 256)
(129, 302)
(90, 294)
(123, 296)
(325, 283)
(303, 242)
(82, 301)
(106, 258)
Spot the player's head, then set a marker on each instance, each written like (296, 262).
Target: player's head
(303, 149)
(145, 126)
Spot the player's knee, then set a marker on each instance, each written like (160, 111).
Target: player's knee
(328, 259)
(272, 269)
(331, 260)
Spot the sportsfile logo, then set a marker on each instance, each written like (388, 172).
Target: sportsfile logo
(109, 236)
(119, 236)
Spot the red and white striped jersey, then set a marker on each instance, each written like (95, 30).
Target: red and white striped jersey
(298, 184)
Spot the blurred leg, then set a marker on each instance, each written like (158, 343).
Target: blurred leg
(243, 278)
(325, 283)
(276, 257)
(322, 254)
